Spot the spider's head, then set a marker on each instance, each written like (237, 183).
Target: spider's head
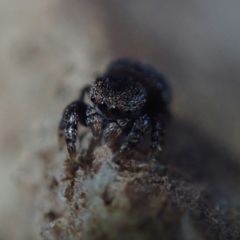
(117, 98)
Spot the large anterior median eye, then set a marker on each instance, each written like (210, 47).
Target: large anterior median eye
(102, 107)
(93, 99)
(128, 112)
(115, 112)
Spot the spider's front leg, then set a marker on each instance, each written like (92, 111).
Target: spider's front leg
(95, 122)
(114, 129)
(73, 114)
(140, 127)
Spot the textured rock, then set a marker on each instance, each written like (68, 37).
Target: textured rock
(138, 198)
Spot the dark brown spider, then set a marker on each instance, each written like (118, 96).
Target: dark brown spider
(128, 100)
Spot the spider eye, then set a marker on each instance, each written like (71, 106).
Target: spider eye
(115, 112)
(102, 106)
(128, 112)
(93, 99)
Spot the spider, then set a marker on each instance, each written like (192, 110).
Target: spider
(128, 100)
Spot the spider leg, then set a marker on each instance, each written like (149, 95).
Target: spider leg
(158, 131)
(61, 127)
(73, 114)
(95, 122)
(84, 92)
(139, 129)
(114, 129)
(61, 141)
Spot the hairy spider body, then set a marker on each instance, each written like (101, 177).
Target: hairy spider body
(129, 99)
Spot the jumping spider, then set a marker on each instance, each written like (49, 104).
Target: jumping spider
(128, 100)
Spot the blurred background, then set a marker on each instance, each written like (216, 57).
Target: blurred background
(49, 49)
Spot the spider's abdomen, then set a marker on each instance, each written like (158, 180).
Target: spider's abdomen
(157, 89)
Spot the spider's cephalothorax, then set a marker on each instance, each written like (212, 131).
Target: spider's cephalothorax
(118, 98)
(129, 99)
